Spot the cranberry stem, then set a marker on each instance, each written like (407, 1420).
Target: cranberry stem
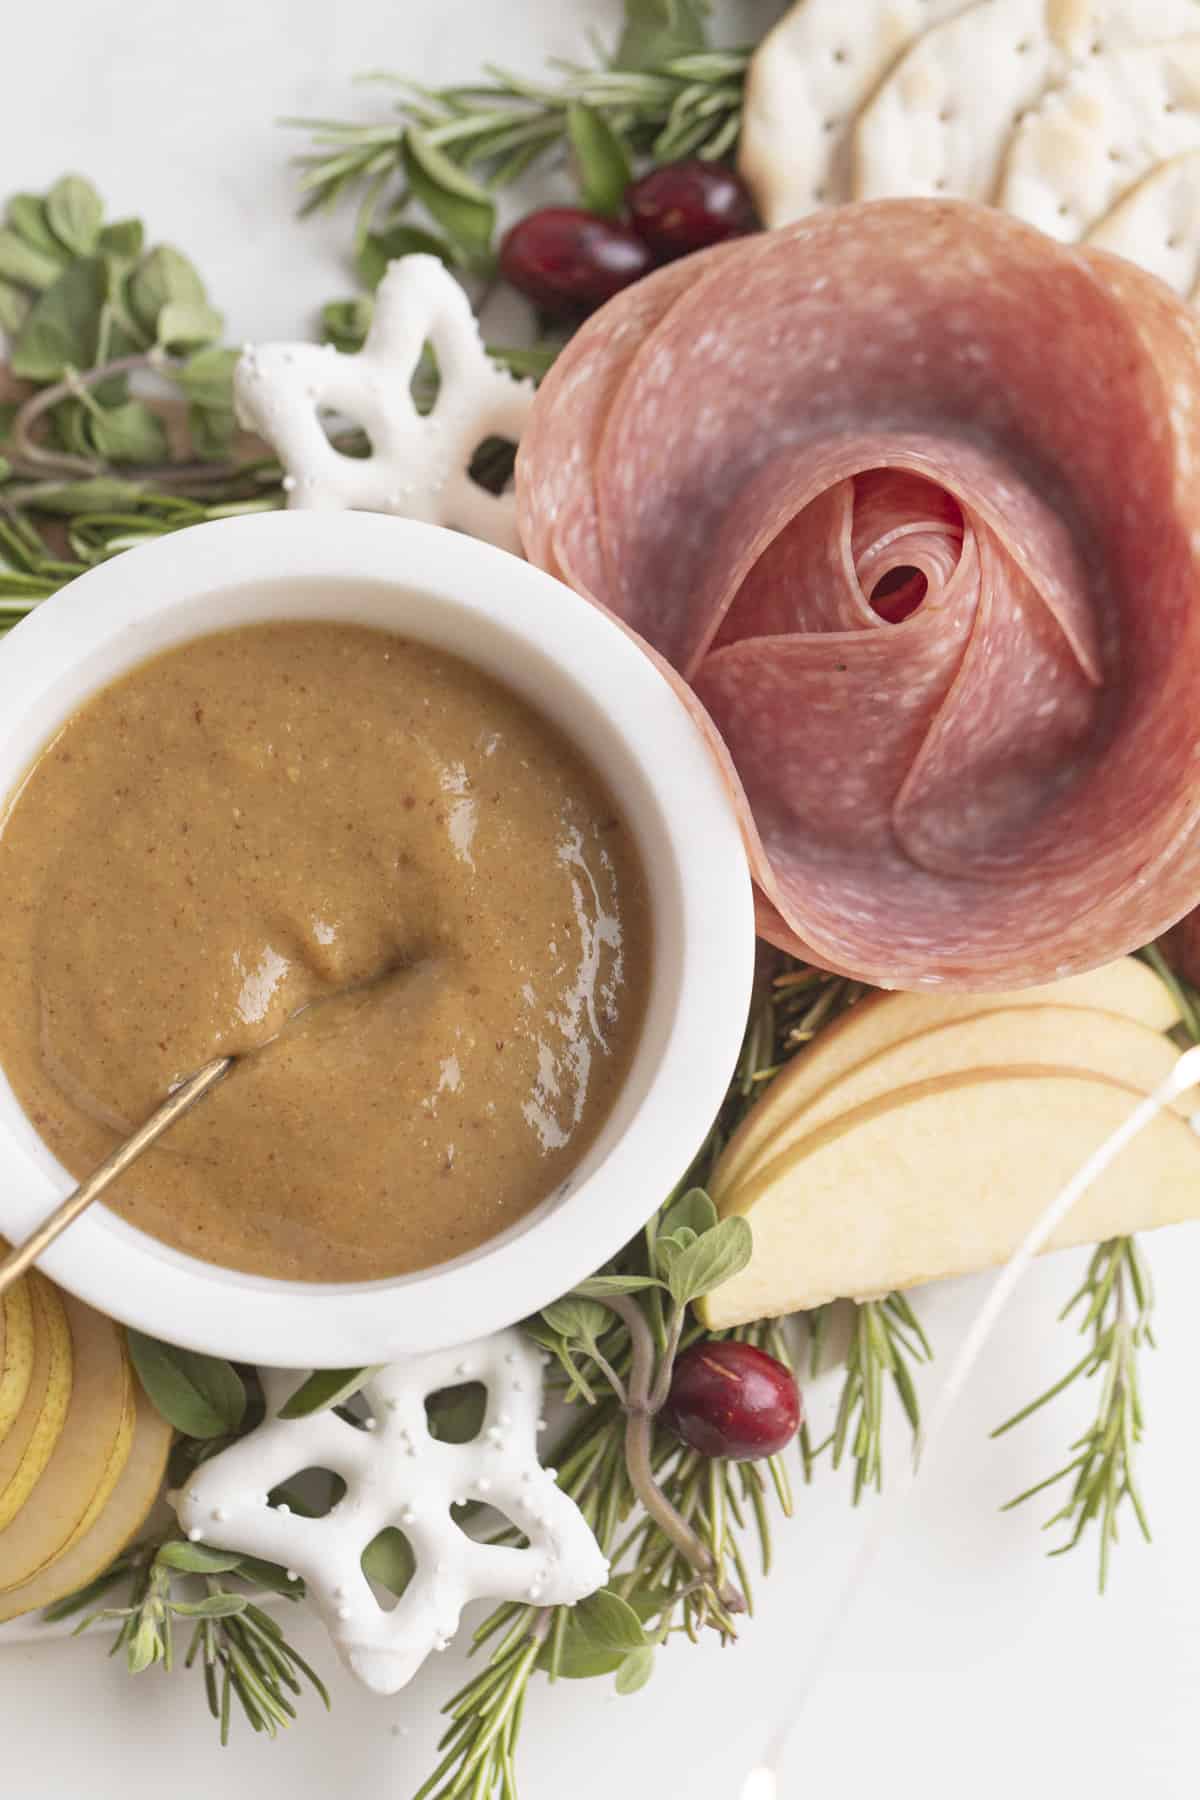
(641, 1404)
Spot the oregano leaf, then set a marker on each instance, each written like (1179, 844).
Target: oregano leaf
(26, 213)
(21, 262)
(163, 275)
(63, 326)
(635, 1671)
(129, 433)
(202, 1396)
(14, 308)
(577, 1317)
(75, 213)
(714, 1258)
(694, 1210)
(207, 378)
(124, 238)
(216, 1606)
(197, 1559)
(323, 1389)
(184, 323)
(597, 1285)
(658, 30)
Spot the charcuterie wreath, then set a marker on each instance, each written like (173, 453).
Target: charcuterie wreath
(860, 398)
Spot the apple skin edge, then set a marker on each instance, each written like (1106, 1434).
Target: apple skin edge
(930, 1153)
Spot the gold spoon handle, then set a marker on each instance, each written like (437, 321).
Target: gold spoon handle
(173, 1107)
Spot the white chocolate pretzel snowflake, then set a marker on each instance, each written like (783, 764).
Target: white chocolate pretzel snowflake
(418, 466)
(397, 1474)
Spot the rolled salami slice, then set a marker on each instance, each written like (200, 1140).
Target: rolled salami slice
(907, 496)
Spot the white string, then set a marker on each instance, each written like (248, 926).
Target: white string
(762, 1783)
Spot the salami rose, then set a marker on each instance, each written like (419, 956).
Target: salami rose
(907, 497)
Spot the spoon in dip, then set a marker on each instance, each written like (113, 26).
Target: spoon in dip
(180, 1100)
(185, 1096)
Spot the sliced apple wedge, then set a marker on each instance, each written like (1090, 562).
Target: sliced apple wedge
(1062, 1037)
(123, 1514)
(944, 1178)
(30, 1441)
(1127, 988)
(16, 1352)
(89, 1456)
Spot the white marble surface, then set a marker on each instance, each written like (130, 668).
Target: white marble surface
(971, 1664)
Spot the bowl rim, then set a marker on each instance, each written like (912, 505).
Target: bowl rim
(173, 1296)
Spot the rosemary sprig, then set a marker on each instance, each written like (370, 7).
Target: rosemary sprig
(241, 1650)
(451, 149)
(887, 1339)
(1117, 1299)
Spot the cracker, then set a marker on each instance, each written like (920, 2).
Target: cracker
(1110, 123)
(808, 80)
(941, 120)
(1157, 224)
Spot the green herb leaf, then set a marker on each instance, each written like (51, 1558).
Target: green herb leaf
(270, 1576)
(124, 238)
(197, 1559)
(129, 433)
(323, 1389)
(14, 308)
(207, 378)
(202, 1396)
(99, 495)
(693, 1210)
(601, 159)
(455, 1415)
(216, 1606)
(600, 1633)
(389, 1560)
(383, 247)
(345, 323)
(597, 1285)
(721, 1253)
(212, 431)
(62, 329)
(182, 323)
(26, 213)
(27, 266)
(75, 213)
(583, 1319)
(465, 211)
(656, 31)
(635, 1671)
(161, 277)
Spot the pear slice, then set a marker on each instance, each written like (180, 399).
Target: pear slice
(123, 1514)
(1063, 1037)
(1126, 987)
(91, 1451)
(30, 1441)
(16, 1352)
(944, 1178)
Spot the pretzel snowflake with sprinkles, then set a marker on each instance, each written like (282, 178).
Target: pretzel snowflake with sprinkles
(398, 1475)
(419, 465)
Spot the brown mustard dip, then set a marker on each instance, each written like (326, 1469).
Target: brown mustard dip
(325, 817)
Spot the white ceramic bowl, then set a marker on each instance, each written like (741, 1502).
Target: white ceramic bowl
(583, 672)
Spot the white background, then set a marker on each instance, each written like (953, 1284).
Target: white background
(971, 1664)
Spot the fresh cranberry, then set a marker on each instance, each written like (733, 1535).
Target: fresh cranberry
(568, 261)
(731, 1400)
(688, 205)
